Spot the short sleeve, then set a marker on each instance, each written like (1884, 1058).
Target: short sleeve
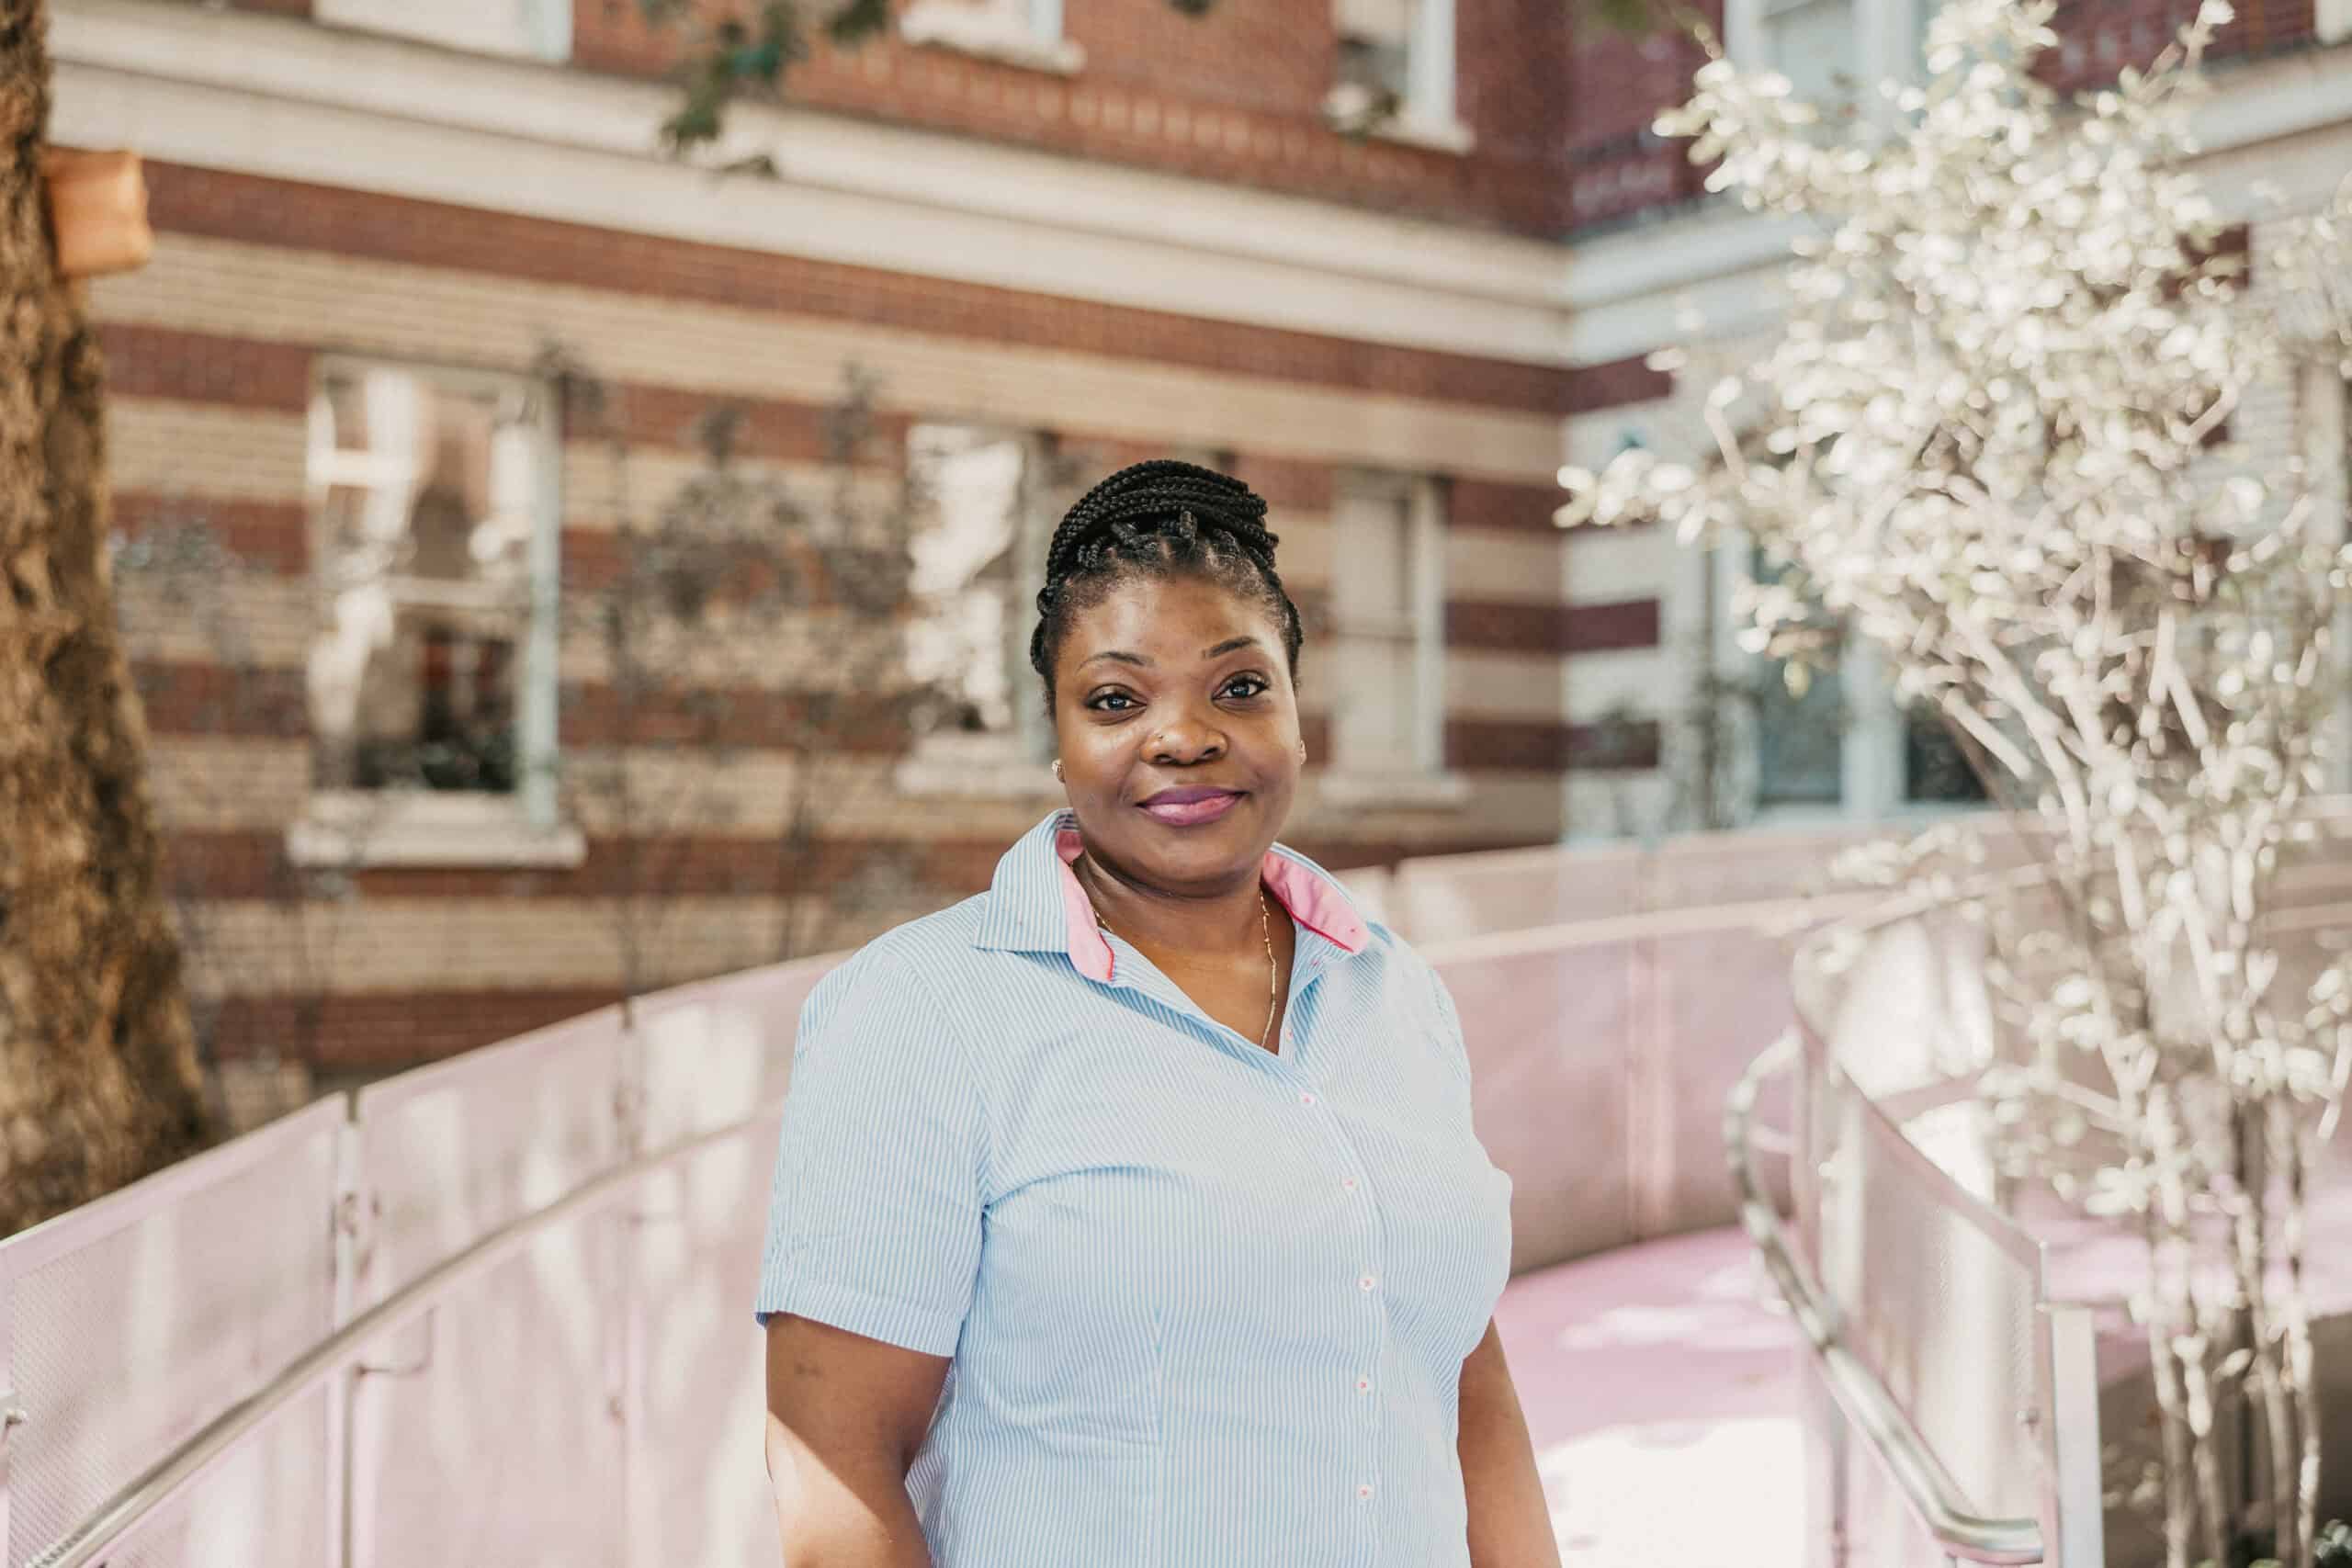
(1449, 1023)
(875, 1213)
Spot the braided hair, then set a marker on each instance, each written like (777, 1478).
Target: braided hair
(1158, 519)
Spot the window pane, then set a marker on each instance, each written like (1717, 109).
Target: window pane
(1372, 561)
(1934, 766)
(1813, 46)
(965, 576)
(541, 29)
(1800, 741)
(1377, 714)
(426, 501)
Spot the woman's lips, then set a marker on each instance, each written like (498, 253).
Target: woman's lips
(1190, 808)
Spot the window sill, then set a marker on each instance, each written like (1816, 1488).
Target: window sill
(1350, 110)
(352, 829)
(975, 767)
(1432, 136)
(1412, 792)
(943, 24)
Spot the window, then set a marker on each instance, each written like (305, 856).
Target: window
(435, 538)
(1019, 32)
(1833, 52)
(538, 29)
(1834, 742)
(978, 545)
(1388, 618)
(1397, 71)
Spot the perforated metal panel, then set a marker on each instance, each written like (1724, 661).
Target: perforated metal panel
(714, 1052)
(1547, 1031)
(263, 1506)
(700, 1487)
(1937, 1292)
(490, 1432)
(451, 1153)
(140, 1318)
(1453, 896)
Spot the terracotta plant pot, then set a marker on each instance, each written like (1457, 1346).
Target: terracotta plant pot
(98, 206)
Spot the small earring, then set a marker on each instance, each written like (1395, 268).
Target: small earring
(1058, 769)
(1302, 750)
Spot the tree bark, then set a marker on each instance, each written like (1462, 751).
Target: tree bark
(99, 1076)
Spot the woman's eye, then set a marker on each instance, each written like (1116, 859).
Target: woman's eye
(1110, 701)
(1245, 687)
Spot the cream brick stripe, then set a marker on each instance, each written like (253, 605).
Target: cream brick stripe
(209, 785)
(251, 291)
(281, 99)
(266, 624)
(184, 453)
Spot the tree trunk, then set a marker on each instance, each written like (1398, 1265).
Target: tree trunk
(98, 1078)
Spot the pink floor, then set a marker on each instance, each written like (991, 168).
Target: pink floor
(1659, 1383)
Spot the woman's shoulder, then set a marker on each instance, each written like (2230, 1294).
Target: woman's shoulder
(915, 950)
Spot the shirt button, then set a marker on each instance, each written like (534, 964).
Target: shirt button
(1346, 1184)
(1363, 1492)
(1364, 1386)
(1366, 1284)
(1304, 1097)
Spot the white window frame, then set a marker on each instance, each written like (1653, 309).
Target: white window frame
(1871, 783)
(1014, 762)
(1027, 33)
(1349, 779)
(2326, 439)
(528, 29)
(1885, 32)
(1427, 117)
(357, 828)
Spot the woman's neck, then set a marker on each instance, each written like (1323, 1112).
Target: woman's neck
(1214, 925)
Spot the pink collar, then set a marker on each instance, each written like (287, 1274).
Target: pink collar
(1313, 900)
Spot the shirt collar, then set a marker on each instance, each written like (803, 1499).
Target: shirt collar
(1036, 904)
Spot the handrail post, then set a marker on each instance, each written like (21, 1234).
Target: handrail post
(10, 1415)
(2074, 1521)
(1829, 1454)
(349, 1221)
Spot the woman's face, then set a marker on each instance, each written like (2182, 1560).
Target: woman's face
(1179, 731)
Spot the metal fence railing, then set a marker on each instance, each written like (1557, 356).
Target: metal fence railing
(494, 1311)
(1953, 1403)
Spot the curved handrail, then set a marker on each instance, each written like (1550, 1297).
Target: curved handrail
(1930, 1492)
(130, 1506)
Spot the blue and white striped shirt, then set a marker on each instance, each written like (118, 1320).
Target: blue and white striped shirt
(1207, 1303)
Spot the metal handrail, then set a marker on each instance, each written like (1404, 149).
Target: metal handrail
(130, 1506)
(1933, 1497)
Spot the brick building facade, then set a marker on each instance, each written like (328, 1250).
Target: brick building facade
(1056, 239)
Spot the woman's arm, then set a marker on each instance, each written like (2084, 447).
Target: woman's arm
(1511, 1524)
(846, 1417)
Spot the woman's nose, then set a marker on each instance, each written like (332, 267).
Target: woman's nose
(1187, 740)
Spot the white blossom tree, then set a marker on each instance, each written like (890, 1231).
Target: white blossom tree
(1992, 437)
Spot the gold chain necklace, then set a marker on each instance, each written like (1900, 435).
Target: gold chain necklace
(1266, 935)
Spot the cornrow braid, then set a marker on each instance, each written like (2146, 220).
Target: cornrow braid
(1158, 519)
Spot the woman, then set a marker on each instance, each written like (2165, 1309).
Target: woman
(1128, 1215)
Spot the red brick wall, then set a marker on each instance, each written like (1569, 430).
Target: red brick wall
(1617, 81)
(2098, 38)
(1235, 97)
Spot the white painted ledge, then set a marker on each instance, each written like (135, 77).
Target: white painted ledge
(1429, 135)
(353, 829)
(943, 24)
(952, 767)
(2285, 122)
(1407, 791)
(287, 99)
